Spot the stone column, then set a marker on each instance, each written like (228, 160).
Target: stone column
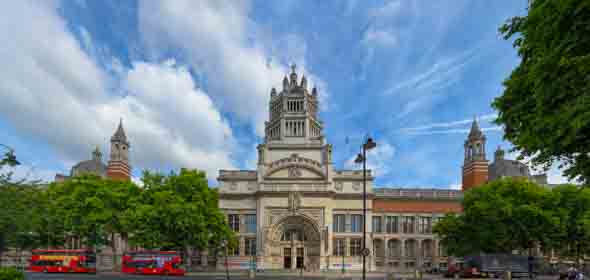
(242, 246)
(435, 256)
(402, 251)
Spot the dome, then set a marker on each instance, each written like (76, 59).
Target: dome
(92, 166)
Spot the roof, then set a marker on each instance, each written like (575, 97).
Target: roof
(475, 131)
(89, 166)
(120, 133)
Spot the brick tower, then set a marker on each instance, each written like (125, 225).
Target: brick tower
(118, 167)
(475, 166)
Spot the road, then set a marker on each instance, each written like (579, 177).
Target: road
(56, 276)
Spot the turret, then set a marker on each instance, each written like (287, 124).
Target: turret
(475, 164)
(118, 167)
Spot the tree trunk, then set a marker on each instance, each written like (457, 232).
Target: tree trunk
(189, 258)
(578, 251)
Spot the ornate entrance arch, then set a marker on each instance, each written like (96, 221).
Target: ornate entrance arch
(296, 239)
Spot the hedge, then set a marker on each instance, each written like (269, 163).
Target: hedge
(11, 274)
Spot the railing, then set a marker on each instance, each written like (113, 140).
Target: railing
(417, 193)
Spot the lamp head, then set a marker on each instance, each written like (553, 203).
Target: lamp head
(359, 159)
(370, 144)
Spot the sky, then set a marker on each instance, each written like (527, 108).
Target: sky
(191, 80)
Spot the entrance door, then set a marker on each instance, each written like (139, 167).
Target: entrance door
(287, 258)
(299, 263)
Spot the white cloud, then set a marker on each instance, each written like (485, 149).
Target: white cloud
(391, 8)
(383, 38)
(30, 173)
(378, 159)
(487, 117)
(220, 40)
(54, 91)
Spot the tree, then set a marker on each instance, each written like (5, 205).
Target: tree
(499, 217)
(177, 212)
(571, 206)
(545, 106)
(91, 208)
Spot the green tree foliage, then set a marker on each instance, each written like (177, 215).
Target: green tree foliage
(571, 210)
(501, 216)
(176, 212)
(18, 224)
(11, 274)
(89, 208)
(545, 107)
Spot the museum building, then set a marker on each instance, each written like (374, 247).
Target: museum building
(296, 210)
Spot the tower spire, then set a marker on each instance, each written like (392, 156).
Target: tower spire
(475, 166)
(118, 167)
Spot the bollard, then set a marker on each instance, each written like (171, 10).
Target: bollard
(251, 274)
(456, 275)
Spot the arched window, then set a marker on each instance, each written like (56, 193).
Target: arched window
(293, 234)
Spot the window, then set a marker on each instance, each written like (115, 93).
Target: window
(234, 251)
(391, 224)
(339, 245)
(425, 225)
(251, 247)
(293, 234)
(251, 223)
(356, 223)
(377, 224)
(355, 247)
(339, 223)
(408, 224)
(234, 222)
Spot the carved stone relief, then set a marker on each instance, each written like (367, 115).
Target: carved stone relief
(339, 186)
(356, 186)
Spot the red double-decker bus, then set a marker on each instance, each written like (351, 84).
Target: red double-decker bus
(152, 263)
(79, 261)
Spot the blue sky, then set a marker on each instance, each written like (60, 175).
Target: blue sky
(191, 80)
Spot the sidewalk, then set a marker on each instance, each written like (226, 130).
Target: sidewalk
(327, 274)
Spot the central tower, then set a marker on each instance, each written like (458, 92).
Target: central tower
(293, 113)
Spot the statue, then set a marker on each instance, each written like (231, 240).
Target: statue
(294, 201)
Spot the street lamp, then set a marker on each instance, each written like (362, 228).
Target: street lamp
(362, 158)
(225, 245)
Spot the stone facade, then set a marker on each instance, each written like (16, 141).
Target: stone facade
(296, 210)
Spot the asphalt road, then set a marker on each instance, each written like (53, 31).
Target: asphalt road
(57, 276)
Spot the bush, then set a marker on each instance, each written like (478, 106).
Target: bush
(11, 274)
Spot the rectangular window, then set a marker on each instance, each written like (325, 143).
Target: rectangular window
(377, 224)
(339, 223)
(356, 223)
(251, 223)
(408, 224)
(234, 222)
(391, 224)
(234, 251)
(339, 245)
(251, 247)
(355, 247)
(425, 225)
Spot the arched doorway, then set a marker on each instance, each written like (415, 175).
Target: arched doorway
(297, 240)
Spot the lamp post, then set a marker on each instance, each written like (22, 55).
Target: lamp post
(225, 245)
(362, 158)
